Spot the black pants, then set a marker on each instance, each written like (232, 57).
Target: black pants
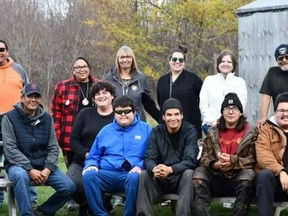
(214, 186)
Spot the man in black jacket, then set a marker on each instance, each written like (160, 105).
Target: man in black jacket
(169, 160)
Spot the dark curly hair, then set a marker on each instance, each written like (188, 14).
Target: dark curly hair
(102, 85)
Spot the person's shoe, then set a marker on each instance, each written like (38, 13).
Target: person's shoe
(2, 175)
(36, 212)
(117, 201)
(72, 205)
(34, 205)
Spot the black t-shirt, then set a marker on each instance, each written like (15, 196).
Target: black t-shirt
(275, 82)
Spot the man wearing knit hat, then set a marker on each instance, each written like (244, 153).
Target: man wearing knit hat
(169, 162)
(228, 158)
(275, 81)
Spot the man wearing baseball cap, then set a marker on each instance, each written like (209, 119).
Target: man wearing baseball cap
(31, 153)
(275, 81)
(228, 158)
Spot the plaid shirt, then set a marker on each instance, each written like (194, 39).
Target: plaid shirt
(65, 107)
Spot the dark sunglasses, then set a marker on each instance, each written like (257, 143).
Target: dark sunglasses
(125, 111)
(174, 59)
(2, 49)
(281, 58)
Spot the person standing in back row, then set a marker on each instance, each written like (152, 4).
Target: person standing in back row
(70, 96)
(13, 77)
(215, 87)
(275, 81)
(182, 85)
(128, 80)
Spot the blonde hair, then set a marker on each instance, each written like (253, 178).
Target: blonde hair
(125, 50)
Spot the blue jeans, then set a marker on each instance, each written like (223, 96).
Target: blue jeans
(62, 184)
(95, 183)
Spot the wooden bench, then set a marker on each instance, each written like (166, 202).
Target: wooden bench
(5, 183)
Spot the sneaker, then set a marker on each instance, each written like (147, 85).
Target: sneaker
(34, 206)
(117, 201)
(36, 212)
(72, 205)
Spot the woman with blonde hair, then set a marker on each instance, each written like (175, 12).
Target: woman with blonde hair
(128, 80)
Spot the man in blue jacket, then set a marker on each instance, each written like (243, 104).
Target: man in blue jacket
(31, 154)
(169, 162)
(116, 158)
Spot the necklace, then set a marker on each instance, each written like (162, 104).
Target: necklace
(85, 101)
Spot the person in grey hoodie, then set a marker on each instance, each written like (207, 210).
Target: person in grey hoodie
(31, 154)
(128, 80)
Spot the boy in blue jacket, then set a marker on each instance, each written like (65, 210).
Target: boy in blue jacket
(116, 158)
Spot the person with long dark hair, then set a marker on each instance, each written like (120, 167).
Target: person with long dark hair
(228, 158)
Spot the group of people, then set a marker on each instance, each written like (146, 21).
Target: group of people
(108, 147)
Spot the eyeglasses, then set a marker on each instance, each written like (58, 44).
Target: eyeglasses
(281, 58)
(2, 49)
(78, 68)
(174, 59)
(125, 111)
(233, 109)
(281, 111)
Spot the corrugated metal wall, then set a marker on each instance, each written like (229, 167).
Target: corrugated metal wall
(259, 33)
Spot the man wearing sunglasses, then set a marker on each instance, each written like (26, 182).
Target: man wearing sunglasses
(116, 158)
(275, 81)
(13, 78)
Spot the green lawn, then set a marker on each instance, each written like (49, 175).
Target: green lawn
(44, 192)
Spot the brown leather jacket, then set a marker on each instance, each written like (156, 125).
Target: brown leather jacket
(270, 146)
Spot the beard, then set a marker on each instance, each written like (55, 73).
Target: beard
(284, 67)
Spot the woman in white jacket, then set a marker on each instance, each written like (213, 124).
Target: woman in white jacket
(215, 87)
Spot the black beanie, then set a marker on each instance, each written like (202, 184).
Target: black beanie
(171, 103)
(231, 99)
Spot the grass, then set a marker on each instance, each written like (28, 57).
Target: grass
(217, 209)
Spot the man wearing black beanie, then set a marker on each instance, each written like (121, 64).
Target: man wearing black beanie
(228, 158)
(169, 161)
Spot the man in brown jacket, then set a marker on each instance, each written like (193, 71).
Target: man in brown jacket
(228, 158)
(272, 158)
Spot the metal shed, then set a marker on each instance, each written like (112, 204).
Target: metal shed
(263, 25)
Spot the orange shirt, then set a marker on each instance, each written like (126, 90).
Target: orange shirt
(11, 84)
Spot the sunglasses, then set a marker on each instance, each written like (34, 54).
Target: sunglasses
(174, 59)
(281, 58)
(2, 49)
(125, 111)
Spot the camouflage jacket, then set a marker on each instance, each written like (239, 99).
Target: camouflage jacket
(245, 157)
